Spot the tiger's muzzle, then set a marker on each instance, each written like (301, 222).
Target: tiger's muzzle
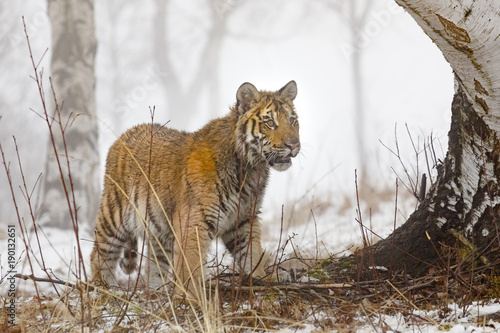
(282, 160)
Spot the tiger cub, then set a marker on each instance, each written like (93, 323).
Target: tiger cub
(179, 191)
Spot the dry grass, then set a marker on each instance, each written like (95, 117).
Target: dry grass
(343, 296)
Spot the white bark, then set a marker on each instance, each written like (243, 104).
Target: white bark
(465, 199)
(468, 34)
(72, 73)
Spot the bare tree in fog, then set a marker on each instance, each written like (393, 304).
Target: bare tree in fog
(8, 99)
(354, 14)
(114, 9)
(206, 73)
(127, 53)
(72, 72)
(17, 95)
(358, 11)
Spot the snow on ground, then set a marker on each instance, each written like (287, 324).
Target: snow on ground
(56, 251)
(331, 225)
(398, 323)
(59, 250)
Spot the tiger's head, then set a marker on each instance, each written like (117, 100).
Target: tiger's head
(268, 127)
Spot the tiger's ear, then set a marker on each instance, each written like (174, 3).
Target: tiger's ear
(289, 91)
(246, 95)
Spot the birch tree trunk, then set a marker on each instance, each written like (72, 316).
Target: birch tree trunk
(74, 197)
(462, 207)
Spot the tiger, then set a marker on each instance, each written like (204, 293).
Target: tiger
(178, 191)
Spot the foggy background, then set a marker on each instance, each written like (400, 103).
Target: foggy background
(188, 58)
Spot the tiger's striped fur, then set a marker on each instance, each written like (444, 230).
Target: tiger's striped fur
(180, 190)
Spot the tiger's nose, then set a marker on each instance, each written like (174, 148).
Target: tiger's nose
(294, 145)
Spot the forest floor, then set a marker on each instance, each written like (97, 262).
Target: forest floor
(345, 297)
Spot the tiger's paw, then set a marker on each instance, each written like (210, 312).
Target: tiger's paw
(278, 275)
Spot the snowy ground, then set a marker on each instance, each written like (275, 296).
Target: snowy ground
(59, 256)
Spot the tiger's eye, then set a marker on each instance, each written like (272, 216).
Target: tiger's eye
(270, 123)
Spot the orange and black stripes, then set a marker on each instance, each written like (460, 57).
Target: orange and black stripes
(181, 190)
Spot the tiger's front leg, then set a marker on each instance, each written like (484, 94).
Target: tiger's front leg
(191, 243)
(244, 242)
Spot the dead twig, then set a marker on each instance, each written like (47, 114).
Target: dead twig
(54, 281)
(291, 286)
